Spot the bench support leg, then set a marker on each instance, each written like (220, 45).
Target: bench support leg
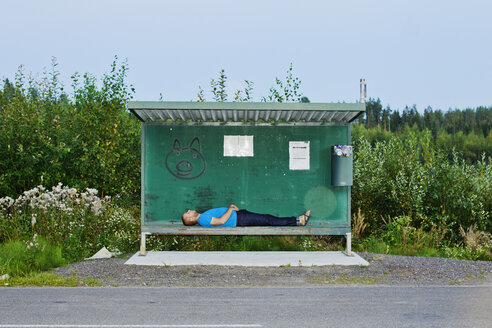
(349, 244)
(142, 244)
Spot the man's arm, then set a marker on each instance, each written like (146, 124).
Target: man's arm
(223, 219)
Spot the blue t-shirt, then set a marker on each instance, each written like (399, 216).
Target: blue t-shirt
(206, 217)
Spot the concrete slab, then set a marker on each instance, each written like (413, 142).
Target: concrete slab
(247, 258)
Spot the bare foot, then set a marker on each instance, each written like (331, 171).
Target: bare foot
(303, 219)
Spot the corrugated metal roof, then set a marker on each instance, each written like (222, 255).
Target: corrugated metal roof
(235, 113)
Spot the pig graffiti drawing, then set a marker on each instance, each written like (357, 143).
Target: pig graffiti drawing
(186, 163)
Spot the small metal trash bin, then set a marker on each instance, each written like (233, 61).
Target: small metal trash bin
(341, 166)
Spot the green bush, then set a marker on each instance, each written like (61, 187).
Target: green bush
(83, 139)
(467, 253)
(407, 176)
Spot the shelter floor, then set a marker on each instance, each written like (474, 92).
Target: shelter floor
(247, 258)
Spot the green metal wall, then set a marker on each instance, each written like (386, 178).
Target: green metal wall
(262, 183)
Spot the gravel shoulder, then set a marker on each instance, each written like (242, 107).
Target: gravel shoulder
(383, 270)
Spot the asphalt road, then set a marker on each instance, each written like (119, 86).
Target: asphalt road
(333, 306)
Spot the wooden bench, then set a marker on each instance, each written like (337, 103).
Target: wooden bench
(177, 228)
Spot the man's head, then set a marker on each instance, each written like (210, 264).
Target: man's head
(190, 217)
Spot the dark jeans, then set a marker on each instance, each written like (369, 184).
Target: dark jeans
(246, 218)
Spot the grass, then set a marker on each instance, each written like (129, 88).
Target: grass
(25, 262)
(467, 278)
(230, 243)
(355, 280)
(374, 245)
(41, 279)
(424, 244)
(19, 258)
(344, 280)
(400, 238)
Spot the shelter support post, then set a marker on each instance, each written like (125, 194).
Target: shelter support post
(142, 243)
(348, 251)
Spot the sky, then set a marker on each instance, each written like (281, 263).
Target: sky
(428, 53)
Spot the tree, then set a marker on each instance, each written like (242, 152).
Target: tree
(285, 91)
(219, 87)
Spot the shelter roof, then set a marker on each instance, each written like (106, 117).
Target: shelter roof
(244, 113)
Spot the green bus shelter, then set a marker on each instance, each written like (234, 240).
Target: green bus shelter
(276, 158)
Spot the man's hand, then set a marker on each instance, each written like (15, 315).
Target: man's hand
(223, 219)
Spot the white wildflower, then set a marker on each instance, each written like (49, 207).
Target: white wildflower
(10, 201)
(56, 190)
(72, 192)
(96, 207)
(92, 191)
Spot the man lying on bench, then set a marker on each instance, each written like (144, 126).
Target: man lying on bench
(233, 216)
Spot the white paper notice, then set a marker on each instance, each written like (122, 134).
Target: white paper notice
(299, 155)
(238, 146)
(230, 145)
